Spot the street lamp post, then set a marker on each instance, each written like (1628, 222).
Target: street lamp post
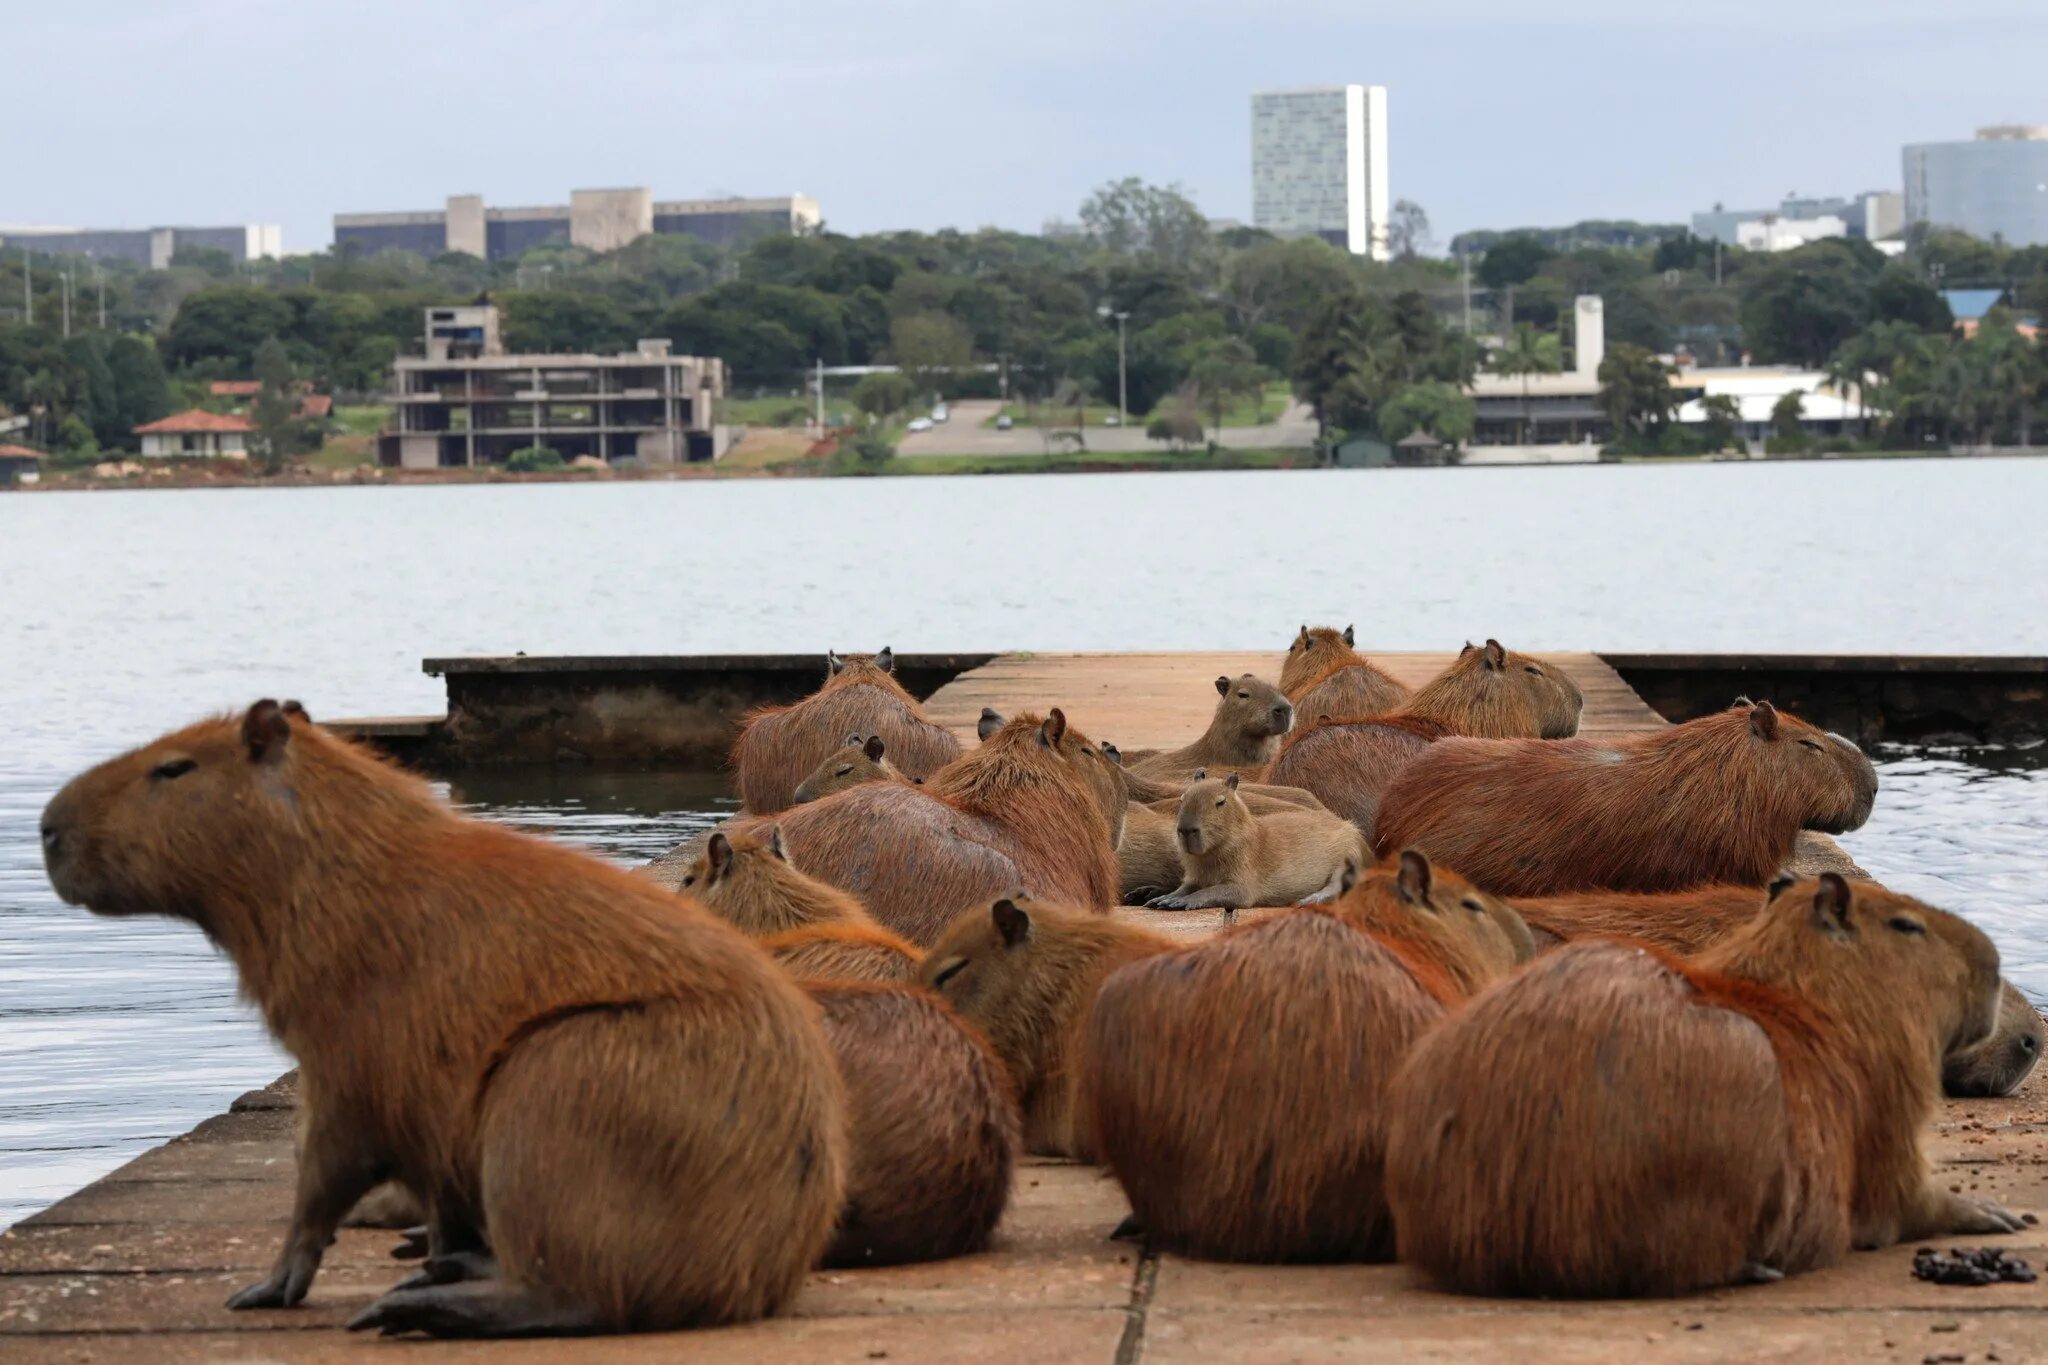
(1123, 394)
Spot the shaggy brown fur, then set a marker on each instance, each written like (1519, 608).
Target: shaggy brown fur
(1348, 764)
(1232, 858)
(780, 745)
(933, 1126)
(476, 1012)
(861, 760)
(1243, 733)
(1236, 1086)
(1025, 973)
(747, 880)
(1036, 805)
(1324, 676)
(1613, 1122)
(1494, 693)
(844, 952)
(1719, 799)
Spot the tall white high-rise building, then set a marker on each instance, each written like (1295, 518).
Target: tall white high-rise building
(1319, 165)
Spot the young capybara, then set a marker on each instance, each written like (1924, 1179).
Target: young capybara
(1246, 727)
(1348, 761)
(861, 760)
(780, 745)
(844, 952)
(1718, 799)
(747, 880)
(932, 1122)
(1148, 852)
(1237, 1087)
(1231, 857)
(1324, 676)
(1613, 1122)
(475, 1013)
(1036, 805)
(1025, 973)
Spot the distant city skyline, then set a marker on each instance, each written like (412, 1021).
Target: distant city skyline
(919, 114)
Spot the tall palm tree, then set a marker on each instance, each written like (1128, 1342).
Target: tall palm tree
(1526, 352)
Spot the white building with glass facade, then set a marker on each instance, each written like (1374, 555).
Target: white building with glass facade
(1319, 165)
(1994, 187)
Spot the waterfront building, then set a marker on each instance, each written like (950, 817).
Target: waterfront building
(1319, 166)
(196, 434)
(599, 220)
(1994, 186)
(151, 247)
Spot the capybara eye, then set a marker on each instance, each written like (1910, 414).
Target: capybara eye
(172, 769)
(1810, 744)
(690, 879)
(1531, 668)
(948, 972)
(1907, 926)
(844, 771)
(1244, 694)
(1474, 906)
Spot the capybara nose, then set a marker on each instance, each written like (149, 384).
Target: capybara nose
(1283, 717)
(53, 839)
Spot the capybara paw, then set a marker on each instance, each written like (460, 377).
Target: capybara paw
(453, 1268)
(413, 1245)
(1982, 1216)
(1130, 1230)
(1756, 1272)
(281, 1289)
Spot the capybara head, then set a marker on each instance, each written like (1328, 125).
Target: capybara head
(1470, 936)
(1252, 709)
(1836, 783)
(1311, 655)
(883, 662)
(1996, 1064)
(1491, 692)
(1103, 777)
(862, 760)
(746, 879)
(1212, 816)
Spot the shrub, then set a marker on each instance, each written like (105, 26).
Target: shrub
(533, 460)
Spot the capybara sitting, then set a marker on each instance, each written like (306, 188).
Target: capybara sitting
(1249, 719)
(747, 880)
(932, 1121)
(1238, 1087)
(844, 952)
(1324, 676)
(1036, 805)
(1025, 973)
(1614, 1122)
(781, 745)
(1719, 799)
(1231, 858)
(861, 760)
(529, 1038)
(1492, 692)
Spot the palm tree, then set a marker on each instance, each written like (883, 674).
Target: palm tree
(1526, 352)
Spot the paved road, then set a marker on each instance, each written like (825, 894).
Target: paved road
(965, 435)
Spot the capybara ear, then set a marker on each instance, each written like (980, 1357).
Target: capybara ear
(1466, 650)
(1763, 720)
(1011, 922)
(1302, 638)
(1744, 700)
(266, 730)
(1053, 728)
(1348, 878)
(989, 723)
(1496, 657)
(1831, 904)
(1778, 884)
(875, 748)
(1223, 687)
(1231, 781)
(719, 851)
(772, 837)
(1112, 753)
(1201, 774)
(853, 738)
(833, 663)
(296, 711)
(886, 660)
(1349, 638)
(1414, 876)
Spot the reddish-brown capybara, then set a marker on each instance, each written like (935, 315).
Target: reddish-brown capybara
(1148, 851)
(477, 1012)
(1244, 731)
(1324, 676)
(1237, 1087)
(1719, 799)
(844, 952)
(1035, 806)
(746, 879)
(780, 745)
(1614, 1122)
(1231, 858)
(1025, 972)
(859, 760)
(1348, 761)
(932, 1122)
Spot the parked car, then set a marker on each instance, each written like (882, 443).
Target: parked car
(1004, 423)
(919, 424)
(941, 412)
(1110, 419)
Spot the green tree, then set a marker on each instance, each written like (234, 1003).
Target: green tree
(1635, 389)
(1129, 217)
(276, 403)
(1283, 282)
(1178, 419)
(1407, 230)
(930, 347)
(143, 391)
(227, 324)
(883, 395)
(1512, 260)
(1723, 414)
(1443, 410)
(534, 460)
(2007, 371)
(1224, 370)
(1800, 305)
(1787, 415)
(1528, 352)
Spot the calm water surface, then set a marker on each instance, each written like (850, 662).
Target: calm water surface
(122, 614)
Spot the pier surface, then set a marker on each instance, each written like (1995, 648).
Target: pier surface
(136, 1266)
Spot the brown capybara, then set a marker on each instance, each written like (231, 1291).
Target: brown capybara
(1686, 922)
(1148, 852)
(1491, 692)
(746, 879)
(844, 952)
(780, 745)
(1324, 676)
(1231, 857)
(1718, 799)
(1035, 806)
(475, 1013)
(1025, 973)
(1237, 1087)
(932, 1122)
(860, 760)
(1614, 1122)
(1246, 727)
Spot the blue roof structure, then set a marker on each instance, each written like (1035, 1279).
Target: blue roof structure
(1970, 305)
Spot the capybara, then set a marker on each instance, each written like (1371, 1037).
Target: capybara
(1324, 676)
(1025, 973)
(1718, 799)
(1147, 855)
(1250, 717)
(780, 745)
(1686, 922)
(1036, 805)
(746, 879)
(932, 1122)
(844, 952)
(1231, 858)
(861, 760)
(1491, 692)
(1237, 1087)
(1613, 1122)
(479, 1013)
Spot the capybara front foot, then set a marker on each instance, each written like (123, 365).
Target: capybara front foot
(452, 1268)
(1980, 1216)
(1756, 1272)
(477, 1308)
(1130, 1230)
(283, 1288)
(414, 1244)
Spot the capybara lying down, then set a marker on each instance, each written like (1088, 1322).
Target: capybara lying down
(1238, 1086)
(1323, 675)
(859, 760)
(932, 1121)
(781, 745)
(1025, 973)
(1232, 858)
(746, 879)
(1718, 799)
(528, 1037)
(1244, 731)
(1036, 806)
(1612, 1122)
(1685, 922)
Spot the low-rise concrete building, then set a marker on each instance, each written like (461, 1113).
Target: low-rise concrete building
(196, 434)
(1874, 215)
(598, 220)
(467, 402)
(151, 247)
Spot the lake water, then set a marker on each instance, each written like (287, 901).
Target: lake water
(123, 614)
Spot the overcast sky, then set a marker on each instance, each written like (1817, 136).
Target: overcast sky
(932, 113)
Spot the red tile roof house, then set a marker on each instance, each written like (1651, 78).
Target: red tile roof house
(208, 435)
(19, 464)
